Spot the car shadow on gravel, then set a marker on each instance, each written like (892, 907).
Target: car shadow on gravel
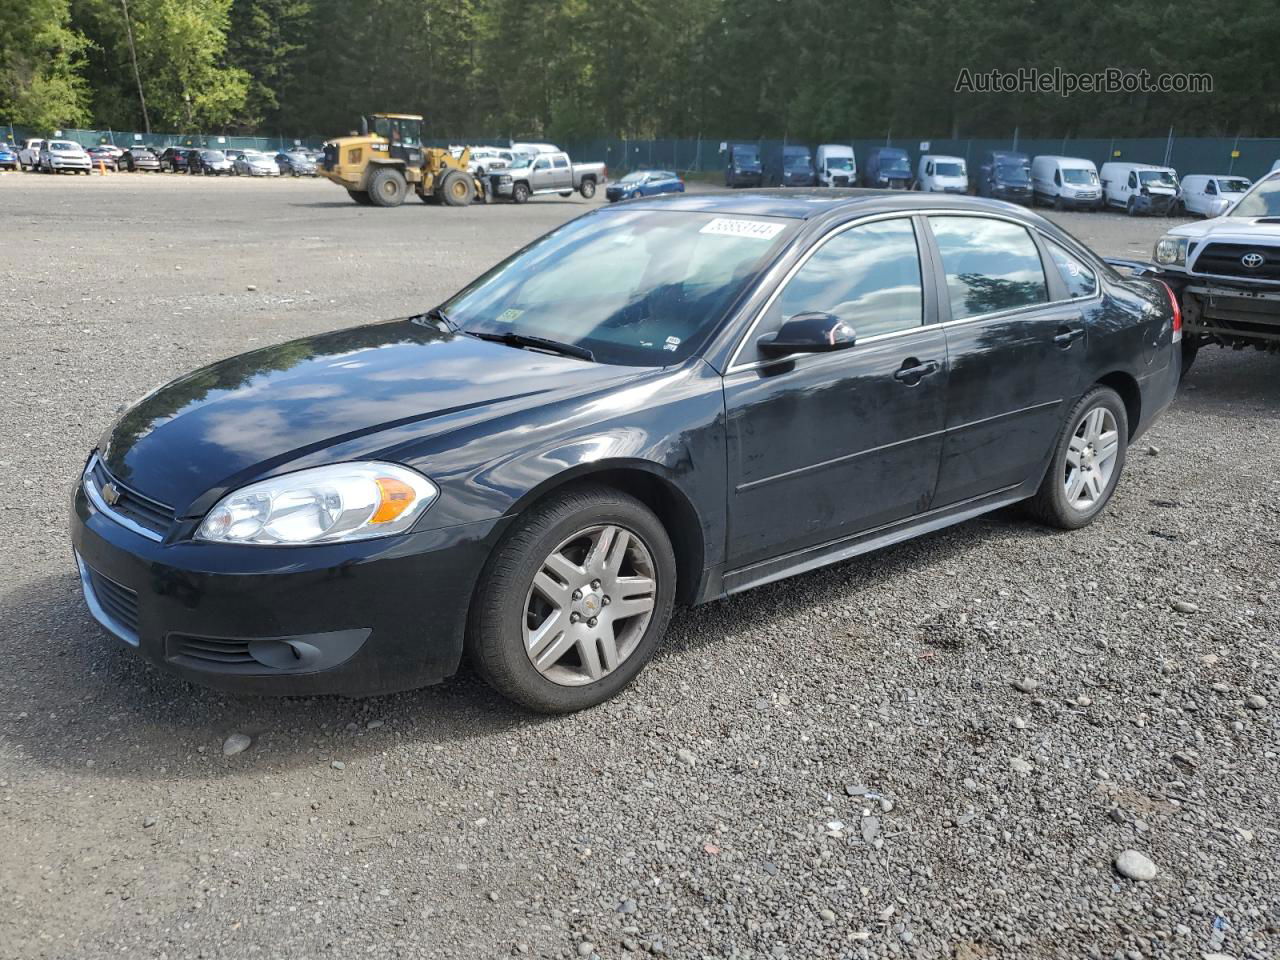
(1230, 382)
(80, 700)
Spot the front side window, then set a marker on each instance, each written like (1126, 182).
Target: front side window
(868, 276)
(1133, 179)
(1211, 189)
(542, 164)
(635, 287)
(1081, 281)
(990, 265)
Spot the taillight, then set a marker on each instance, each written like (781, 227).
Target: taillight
(1177, 311)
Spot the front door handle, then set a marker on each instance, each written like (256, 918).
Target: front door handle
(913, 371)
(1067, 336)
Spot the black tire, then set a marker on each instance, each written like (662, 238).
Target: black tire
(1191, 344)
(1058, 204)
(587, 188)
(520, 193)
(495, 638)
(360, 197)
(1131, 208)
(387, 187)
(566, 193)
(1049, 505)
(456, 189)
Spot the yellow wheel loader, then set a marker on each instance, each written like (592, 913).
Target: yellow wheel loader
(386, 161)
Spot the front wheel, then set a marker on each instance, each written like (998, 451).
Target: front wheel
(574, 601)
(1087, 462)
(1131, 207)
(387, 187)
(457, 189)
(361, 197)
(520, 193)
(1191, 344)
(587, 189)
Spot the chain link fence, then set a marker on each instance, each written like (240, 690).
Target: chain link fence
(1249, 157)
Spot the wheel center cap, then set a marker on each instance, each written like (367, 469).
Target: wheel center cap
(590, 605)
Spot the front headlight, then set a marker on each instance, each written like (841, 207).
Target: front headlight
(1171, 251)
(345, 501)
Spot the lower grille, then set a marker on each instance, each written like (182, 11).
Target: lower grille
(1226, 259)
(112, 604)
(224, 652)
(840, 181)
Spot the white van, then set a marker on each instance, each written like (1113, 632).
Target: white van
(1212, 196)
(1065, 182)
(937, 173)
(1140, 187)
(836, 165)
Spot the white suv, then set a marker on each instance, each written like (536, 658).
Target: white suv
(64, 156)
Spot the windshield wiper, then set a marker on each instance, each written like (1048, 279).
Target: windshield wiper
(538, 343)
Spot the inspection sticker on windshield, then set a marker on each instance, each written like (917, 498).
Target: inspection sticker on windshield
(508, 316)
(754, 229)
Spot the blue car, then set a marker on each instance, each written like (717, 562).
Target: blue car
(8, 156)
(644, 183)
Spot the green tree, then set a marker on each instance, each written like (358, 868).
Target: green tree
(265, 38)
(40, 60)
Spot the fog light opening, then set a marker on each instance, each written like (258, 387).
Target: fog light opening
(283, 654)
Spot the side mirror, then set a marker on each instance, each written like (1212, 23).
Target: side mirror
(808, 333)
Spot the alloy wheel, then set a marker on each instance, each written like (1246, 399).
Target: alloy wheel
(1091, 459)
(589, 605)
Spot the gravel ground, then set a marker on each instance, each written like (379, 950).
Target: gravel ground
(940, 750)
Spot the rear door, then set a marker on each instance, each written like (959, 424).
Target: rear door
(562, 172)
(825, 446)
(1016, 344)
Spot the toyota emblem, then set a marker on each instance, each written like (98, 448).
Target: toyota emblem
(1253, 260)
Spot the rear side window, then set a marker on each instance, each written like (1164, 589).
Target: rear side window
(868, 276)
(1081, 281)
(560, 162)
(991, 265)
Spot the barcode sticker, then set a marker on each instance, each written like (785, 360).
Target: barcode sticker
(754, 229)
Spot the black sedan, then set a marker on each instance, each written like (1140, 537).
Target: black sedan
(664, 401)
(296, 163)
(210, 163)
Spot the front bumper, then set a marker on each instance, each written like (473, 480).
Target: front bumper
(69, 165)
(356, 619)
(1157, 204)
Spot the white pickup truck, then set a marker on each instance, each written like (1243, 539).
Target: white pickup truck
(29, 155)
(549, 172)
(1226, 273)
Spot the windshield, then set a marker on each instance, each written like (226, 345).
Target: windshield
(1159, 178)
(1012, 173)
(635, 287)
(399, 131)
(949, 169)
(894, 164)
(1078, 175)
(1236, 185)
(1262, 201)
(840, 163)
(64, 146)
(793, 161)
(746, 155)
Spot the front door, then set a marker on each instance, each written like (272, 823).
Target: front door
(1016, 357)
(542, 177)
(828, 445)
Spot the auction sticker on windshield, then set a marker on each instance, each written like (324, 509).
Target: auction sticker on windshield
(731, 227)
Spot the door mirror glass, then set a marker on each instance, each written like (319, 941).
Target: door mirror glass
(808, 333)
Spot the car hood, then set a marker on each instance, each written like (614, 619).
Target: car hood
(1243, 229)
(328, 398)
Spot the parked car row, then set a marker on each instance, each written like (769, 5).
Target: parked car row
(58, 156)
(1061, 182)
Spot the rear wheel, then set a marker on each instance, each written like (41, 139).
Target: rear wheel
(361, 197)
(1087, 462)
(387, 187)
(574, 601)
(457, 190)
(587, 189)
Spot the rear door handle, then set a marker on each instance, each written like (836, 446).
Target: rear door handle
(913, 371)
(1067, 336)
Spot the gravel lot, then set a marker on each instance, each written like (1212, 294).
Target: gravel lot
(935, 751)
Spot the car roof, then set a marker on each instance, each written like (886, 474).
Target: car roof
(810, 204)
